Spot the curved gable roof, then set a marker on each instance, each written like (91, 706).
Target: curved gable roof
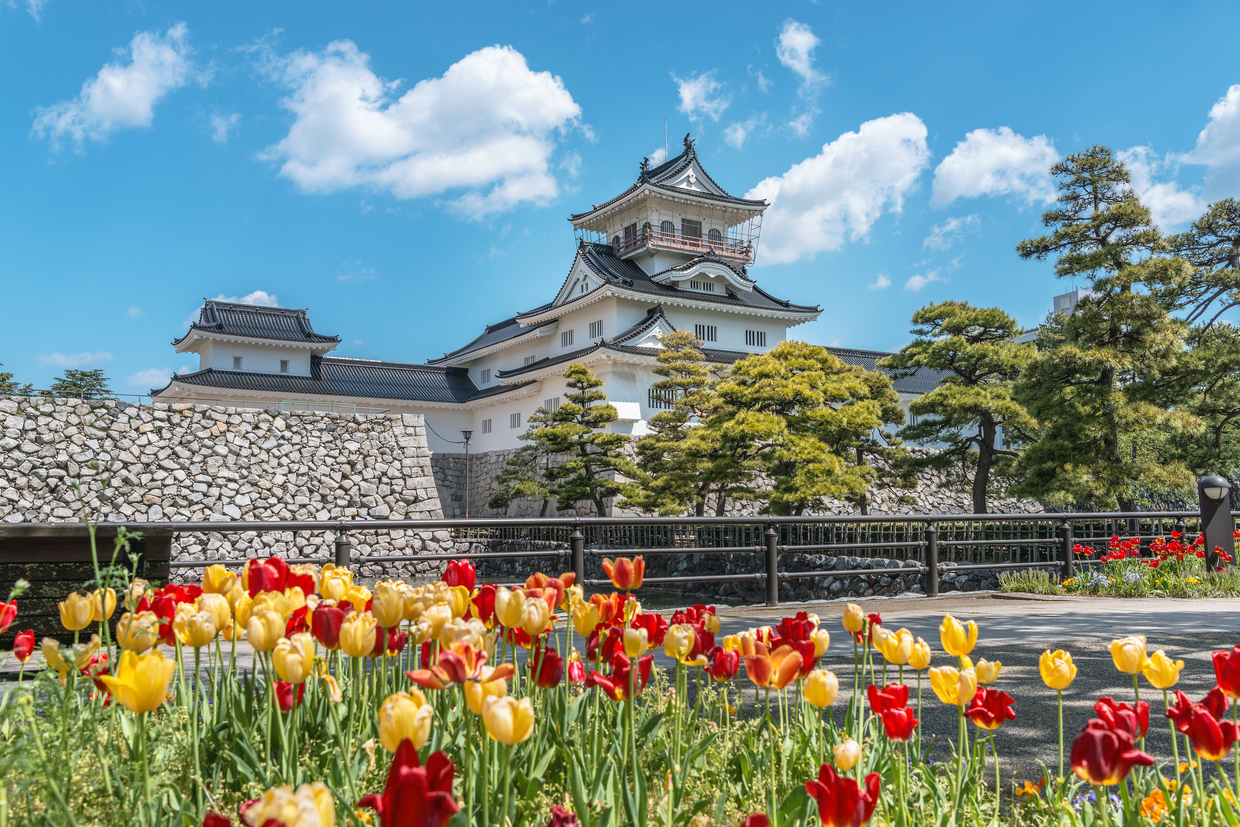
(276, 323)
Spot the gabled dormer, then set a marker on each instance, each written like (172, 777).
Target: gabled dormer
(251, 339)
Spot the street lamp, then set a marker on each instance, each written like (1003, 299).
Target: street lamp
(1217, 525)
(467, 433)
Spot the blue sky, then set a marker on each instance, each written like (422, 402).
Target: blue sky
(405, 170)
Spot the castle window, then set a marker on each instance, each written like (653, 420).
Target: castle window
(716, 237)
(284, 366)
(630, 234)
(615, 242)
(514, 420)
(755, 338)
(236, 363)
(704, 286)
(486, 426)
(668, 229)
(706, 332)
(552, 404)
(596, 329)
(566, 338)
(529, 360)
(656, 398)
(690, 228)
(484, 376)
(646, 230)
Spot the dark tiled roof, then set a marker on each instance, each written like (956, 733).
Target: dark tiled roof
(277, 323)
(332, 376)
(625, 274)
(923, 381)
(492, 335)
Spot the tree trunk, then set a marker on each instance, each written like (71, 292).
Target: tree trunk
(864, 502)
(599, 507)
(543, 511)
(985, 460)
(721, 504)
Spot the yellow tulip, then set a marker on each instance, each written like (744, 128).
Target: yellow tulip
(822, 641)
(277, 602)
(919, 658)
(310, 806)
(264, 629)
(358, 635)
(847, 754)
(102, 604)
(956, 640)
(296, 599)
(194, 629)
(476, 692)
(358, 596)
(460, 630)
(711, 623)
(854, 618)
(585, 618)
(84, 651)
(388, 605)
(215, 605)
(636, 642)
(897, 647)
(1129, 654)
(218, 579)
(404, 716)
(294, 657)
(335, 583)
(678, 641)
(730, 643)
(331, 688)
(955, 687)
(1058, 670)
(76, 611)
(1161, 671)
(534, 617)
(141, 681)
(134, 594)
(50, 647)
(987, 672)
(821, 687)
(242, 607)
(137, 632)
(508, 720)
(437, 616)
(458, 601)
(509, 605)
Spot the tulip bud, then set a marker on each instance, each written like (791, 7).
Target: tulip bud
(404, 716)
(388, 605)
(50, 647)
(293, 657)
(677, 642)
(508, 720)
(1161, 671)
(847, 755)
(358, 635)
(264, 629)
(987, 672)
(103, 603)
(218, 579)
(822, 641)
(535, 617)
(137, 632)
(1129, 654)
(585, 617)
(76, 611)
(854, 618)
(509, 606)
(919, 657)
(955, 638)
(194, 629)
(821, 687)
(635, 642)
(1058, 670)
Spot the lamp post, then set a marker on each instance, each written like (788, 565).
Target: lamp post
(1217, 526)
(467, 433)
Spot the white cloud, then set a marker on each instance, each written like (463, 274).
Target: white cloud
(837, 195)
(942, 236)
(658, 156)
(764, 83)
(73, 360)
(588, 18)
(795, 50)
(571, 163)
(997, 162)
(259, 298)
(133, 312)
(1169, 205)
(222, 125)
(147, 379)
(487, 126)
(702, 95)
(123, 95)
(736, 134)
(35, 9)
(1218, 147)
(356, 343)
(358, 275)
(880, 283)
(800, 125)
(915, 283)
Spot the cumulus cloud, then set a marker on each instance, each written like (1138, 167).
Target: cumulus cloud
(915, 283)
(837, 195)
(658, 156)
(258, 298)
(1218, 147)
(153, 378)
(133, 312)
(795, 50)
(35, 9)
(487, 126)
(73, 360)
(942, 236)
(736, 133)
(223, 125)
(997, 162)
(702, 95)
(124, 92)
(881, 283)
(764, 83)
(1169, 205)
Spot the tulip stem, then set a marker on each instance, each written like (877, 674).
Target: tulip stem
(1235, 717)
(1104, 804)
(1059, 695)
(1136, 690)
(856, 696)
(194, 714)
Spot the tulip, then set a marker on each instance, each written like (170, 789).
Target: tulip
(137, 632)
(293, 657)
(460, 573)
(305, 577)
(655, 627)
(841, 801)
(954, 687)
(194, 629)
(334, 583)
(635, 642)
(576, 669)
(325, 623)
(822, 641)
(1227, 672)
(1161, 671)
(270, 575)
(956, 640)
(987, 672)
(752, 820)
(310, 806)
(217, 579)
(488, 685)
(990, 708)
(141, 681)
(897, 647)
(723, 664)
(217, 606)
(8, 613)
(1058, 670)
(1211, 739)
(1103, 756)
(50, 647)
(23, 645)
(264, 630)
(678, 643)
(549, 666)
(1129, 654)
(415, 796)
(358, 634)
(287, 698)
(821, 687)
(1134, 720)
(919, 657)
(585, 617)
(76, 612)
(892, 696)
(854, 618)
(775, 669)
(625, 574)
(509, 607)
(899, 724)
(388, 605)
(405, 716)
(508, 720)
(535, 617)
(102, 604)
(847, 754)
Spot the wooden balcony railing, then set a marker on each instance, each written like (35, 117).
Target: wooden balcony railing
(674, 240)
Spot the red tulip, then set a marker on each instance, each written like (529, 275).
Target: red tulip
(550, 667)
(1214, 703)
(892, 696)
(900, 723)
(990, 708)
(1211, 738)
(396, 642)
(723, 666)
(617, 684)
(8, 613)
(460, 573)
(325, 625)
(303, 581)
(484, 604)
(216, 820)
(756, 820)
(576, 672)
(285, 696)
(1135, 720)
(23, 645)
(415, 796)
(625, 574)
(655, 626)
(1102, 755)
(297, 622)
(1227, 671)
(271, 575)
(841, 801)
(868, 636)
(561, 817)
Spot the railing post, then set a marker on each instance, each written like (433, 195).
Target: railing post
(772, 565)
(1180, 528)
(577, 543)
(344, 550)
(931, 538)
(1065, 551)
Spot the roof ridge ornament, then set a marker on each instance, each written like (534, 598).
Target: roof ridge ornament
(645, 170)
(689, 144)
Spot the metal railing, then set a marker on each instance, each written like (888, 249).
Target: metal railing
(674, 240)
(929, 545)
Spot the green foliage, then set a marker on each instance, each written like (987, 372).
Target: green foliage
(594, 459)
(524, 474)
(1096, 378)
(976, 350)
(81, 384)
(10, 386)
(1029, 581)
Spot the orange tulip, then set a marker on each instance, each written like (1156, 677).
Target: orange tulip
(772, 669)
(625, 574)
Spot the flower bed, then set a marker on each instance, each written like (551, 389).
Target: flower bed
(465, 704)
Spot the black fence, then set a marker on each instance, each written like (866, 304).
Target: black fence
(928, 544)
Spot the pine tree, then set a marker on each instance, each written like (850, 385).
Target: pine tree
(524, 476)
(10, 386)
(975, 351)
(81, 384)
(594, 459)
(1092, 385)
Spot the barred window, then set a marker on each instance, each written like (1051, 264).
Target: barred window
(566, 338)
(514, 420)
(706, 332)
(529, 360)
(596, 329)
(552, 404)
(704, 286)
(656, 398)
(755, 338)
(486, 426)
(485, 376)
